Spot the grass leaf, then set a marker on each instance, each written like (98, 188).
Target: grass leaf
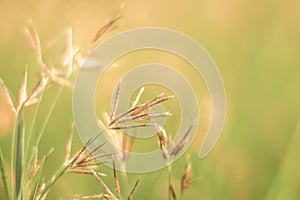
(4, 177)
(19, 155)
(36, 184)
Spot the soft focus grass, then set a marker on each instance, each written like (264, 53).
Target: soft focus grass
(254, 43)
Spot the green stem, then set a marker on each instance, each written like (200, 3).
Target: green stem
(49, 115)
(4, 177)
(27, 147)
(19, 155)
(169, 186)
(12, 158)
(44, 126)
(33, 123)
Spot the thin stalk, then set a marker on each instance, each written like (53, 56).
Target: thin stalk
(32, 124)
(52, 106)
(169, 184)
(133, 189)
(4, 177)
(19, 159)
(64, 169)
(36, 185)
(12, 158)
(28, 162)
(44, 125)
(125, 181)
(54, 179)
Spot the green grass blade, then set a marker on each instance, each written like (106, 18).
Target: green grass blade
(29, 136)
(19, 155)
(52, 106)
(12, 160)
(36, 183)
(41, 132)
(4, 177)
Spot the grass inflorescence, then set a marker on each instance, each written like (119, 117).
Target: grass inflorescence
(27, 181)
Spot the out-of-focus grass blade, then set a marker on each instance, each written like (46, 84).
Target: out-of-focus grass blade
(4, 177)
(286, 182)
(36, 183)
(19, 154)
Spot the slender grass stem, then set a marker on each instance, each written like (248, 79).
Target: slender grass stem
(125, 181)
(4, 177)
(12, 158)
(169, 183)
(27, 163)
(52, 106)
(32, 125)
(19, 159)
(36, 184)
(57, 175)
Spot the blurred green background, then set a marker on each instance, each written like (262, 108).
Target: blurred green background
(256, 45)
